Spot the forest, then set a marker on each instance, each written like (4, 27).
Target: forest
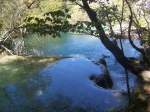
(74, 56)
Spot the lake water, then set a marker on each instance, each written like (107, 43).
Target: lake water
(82, 46)
(65, 86)
(73, 45)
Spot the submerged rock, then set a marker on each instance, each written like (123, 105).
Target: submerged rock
(103, 80)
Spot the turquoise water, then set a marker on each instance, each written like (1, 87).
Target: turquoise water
(74, 45)
(64, 86)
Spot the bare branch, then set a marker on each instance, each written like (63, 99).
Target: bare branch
(79, 5)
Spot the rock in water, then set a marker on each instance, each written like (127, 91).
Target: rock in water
(103, 80)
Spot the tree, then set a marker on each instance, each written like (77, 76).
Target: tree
(11, 21)
(116, 51)
(52, 19)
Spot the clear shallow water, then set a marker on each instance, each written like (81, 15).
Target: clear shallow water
(65, 85)
(84, 46)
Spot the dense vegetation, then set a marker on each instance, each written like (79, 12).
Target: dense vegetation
(105, 19)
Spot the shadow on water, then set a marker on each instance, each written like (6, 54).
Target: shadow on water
(43, 84)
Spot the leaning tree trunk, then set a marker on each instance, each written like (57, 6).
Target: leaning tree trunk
(114, 49)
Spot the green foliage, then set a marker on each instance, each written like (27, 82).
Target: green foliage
(50, 23)
(49, 18)
(11, 13)
(57, 20)
(55, 16)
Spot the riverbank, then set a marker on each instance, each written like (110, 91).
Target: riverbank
(22, 66)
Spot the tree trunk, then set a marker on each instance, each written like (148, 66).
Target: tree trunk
(115, 50)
